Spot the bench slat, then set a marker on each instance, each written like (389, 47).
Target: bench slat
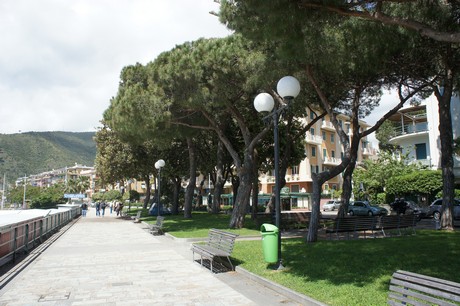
(218, 244)
(431, 285)
(405, 292)
(399, 299)
(415, 289)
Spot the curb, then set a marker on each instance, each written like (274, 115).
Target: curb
(300, 298)
(293, 295)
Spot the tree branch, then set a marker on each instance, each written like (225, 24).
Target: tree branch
(378, 16)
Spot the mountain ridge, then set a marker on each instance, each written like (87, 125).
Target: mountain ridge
(35, 152)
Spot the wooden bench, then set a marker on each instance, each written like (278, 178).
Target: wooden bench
(157, 228)
(353, 225)
(407, 288)
(218, 244)
(137, 218)
(397, 222)
(289, 219)
(295, 219)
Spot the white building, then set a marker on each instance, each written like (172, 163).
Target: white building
(418, 133)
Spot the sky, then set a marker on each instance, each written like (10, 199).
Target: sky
(60, 61)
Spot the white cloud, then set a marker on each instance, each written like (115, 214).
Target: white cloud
(60, 60)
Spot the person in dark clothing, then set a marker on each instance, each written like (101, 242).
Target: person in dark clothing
(103, 206)
(84, 209)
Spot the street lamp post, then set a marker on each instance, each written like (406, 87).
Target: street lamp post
(158, 165)
(288, 88)
(24, 203)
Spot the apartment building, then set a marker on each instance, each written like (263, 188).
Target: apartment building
(323, 151)
(417, 133)
(49, 178)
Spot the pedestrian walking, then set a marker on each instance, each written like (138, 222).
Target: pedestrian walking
(84, 209)
(98, 209)
(119, 209)
(111, 207)
(103, 206)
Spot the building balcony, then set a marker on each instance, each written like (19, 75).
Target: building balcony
(313, 139)
(402, 137)
(292, 178)
(369, 152)
(327, 126)
(332, 161)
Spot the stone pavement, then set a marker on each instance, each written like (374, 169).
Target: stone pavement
(110, 261)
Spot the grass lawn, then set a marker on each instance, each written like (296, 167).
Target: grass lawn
(355, 272)
(344, 272)
(200, 224)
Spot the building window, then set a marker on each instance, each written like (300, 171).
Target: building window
(324, 136)
(295, 170)
(295, 188)
(312, 115)
(313, 151)
(420, 151)
(312, 131)
(333, 154)
(324, 153)
(314, 169)
(334, 187)
(332, 138)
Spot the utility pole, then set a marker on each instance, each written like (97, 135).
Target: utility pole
(24, 204)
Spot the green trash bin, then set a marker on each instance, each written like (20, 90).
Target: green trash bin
(269, 242)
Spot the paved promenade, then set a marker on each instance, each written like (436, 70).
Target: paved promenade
(110, 261)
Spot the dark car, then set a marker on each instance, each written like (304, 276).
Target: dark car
(435, 209)
(363, 208)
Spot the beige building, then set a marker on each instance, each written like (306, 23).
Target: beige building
(323, 150)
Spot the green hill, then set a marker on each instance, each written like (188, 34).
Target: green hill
(36, 152)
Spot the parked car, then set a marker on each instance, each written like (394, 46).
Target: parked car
(407, 207)
(332, 205)
(363, 208)
(436, 208)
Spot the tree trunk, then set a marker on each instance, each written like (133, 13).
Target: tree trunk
(235, 186)
(220, 181)
(346, 190)
(242, 198)
(200, 193)
(447, 161)
(176, 192)
(217, 198)
(189, 193)
(147, 192)
(312, 235)
(255, 188)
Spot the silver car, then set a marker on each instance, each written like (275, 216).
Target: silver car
(436, 208)
(331, 205)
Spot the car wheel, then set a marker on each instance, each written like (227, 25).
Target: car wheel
(437, 215)
(351, 213)
(370, 214)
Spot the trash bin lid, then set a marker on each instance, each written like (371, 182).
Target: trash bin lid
(267, 227)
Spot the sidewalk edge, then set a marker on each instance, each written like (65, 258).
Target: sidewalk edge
(303, 299)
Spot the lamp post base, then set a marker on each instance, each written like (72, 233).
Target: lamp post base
(279, 266)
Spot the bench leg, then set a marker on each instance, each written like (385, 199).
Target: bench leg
(230, 262)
